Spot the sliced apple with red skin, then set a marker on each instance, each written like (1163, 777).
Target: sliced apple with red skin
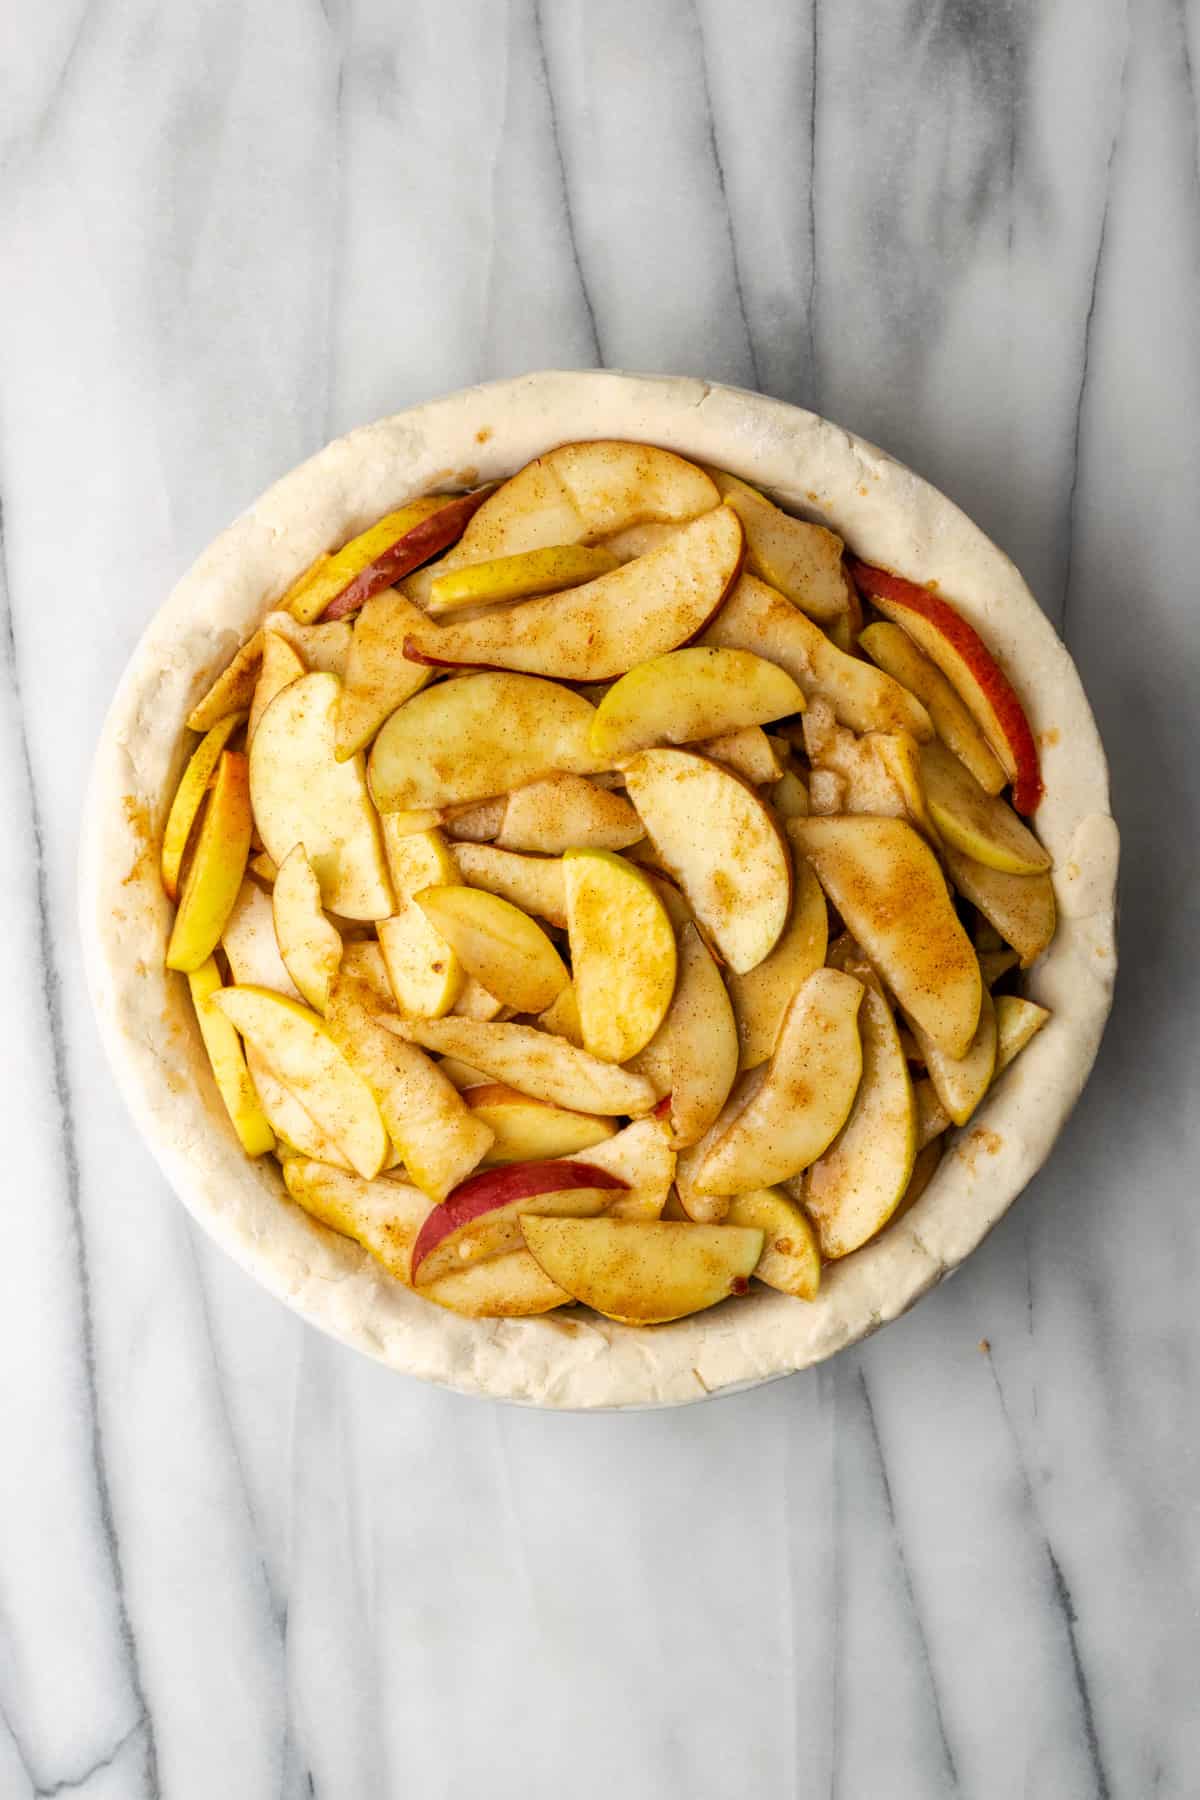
(214, 877)
(233, 689)
(550, 570)
(534, 883)
(975, 822)
(189, 797)
(381, 556)
(644, 1160)
(311, 947)
(331, 571)
(527, 1129)
(960, 1082)
(423, 970)
(803, 561)
(498, 944)
(504, 1287)
(885, 881)
(1017, 1021)
(965, 660)
(688, 695)
(622, 953)
(481, 1218)
(378, 678)
(747, 752)
(641, 1272)
(791, 1256)
(1020, 907)
(384, 1217)
(891, 649)
(567, 812)
(234, 1082)
(696, 1047)
(762, 996)
(597, 631)
(535, 1062)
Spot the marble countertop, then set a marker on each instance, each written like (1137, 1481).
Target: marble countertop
(235, 1559)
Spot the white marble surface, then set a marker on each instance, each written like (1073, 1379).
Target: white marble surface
(234, 1559)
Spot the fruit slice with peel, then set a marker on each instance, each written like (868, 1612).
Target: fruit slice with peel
(310, 946)
(756, 618)
(884, 880)
(1017, 1021)
(975, 822)
(791, 1257)
(534, 883)
(526, 1129)
(214, 877)
(696, 1047)
(695, 1201)
(484, 734)
(379, 678)
(808, 1091)
(505, 1287)
(303, 795)
(622, 953)
(497, 943)
(690, 694)
(549, 570)
(891, 649)
(535, 1062)
(932, 1117)
(1020, 907)
(379, 557)
(722, 845)
(789, 796)
(228, 1064)
(644, 1160)
(189, 797)
(961, 654)
(643, 1272)
(325, 647)
(960, 1082)
(763, 994)
(295, 1129)
(803, 561)
(566, 812)
(384, 1217)
(250, 944)
(233, 689)
(299, 1049)
(481, 1217)
(426, 976)
(925, 1167)
(747, 752)
(280, 666)
(597, 631)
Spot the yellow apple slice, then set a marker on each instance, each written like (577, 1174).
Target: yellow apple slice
(498, 944)
(534, 883)
(310, 946)
(280, 666)
(644, 1160)
(484, 734)
(565, 812)
(688, 695)
(250, 944)
(527, 1130)
(462, 1074)
(233, 689)
(622, 953)
(475, 1002)
(974, 821)
(763, 994)
(298, 1048)
(597, 631)
(693, 1056)
(562, 1017)
(890, 647)
(378, 557)
(228, 1064)
(756, 618)
(384, 1217)
(303, 795)
(535, 1062)
(189, 797)
(296, 1130)
(960, 1082)
(550, 570)
(748, 753)
(379, 678)
(425, 974)
(506, 1287)
(885, 881)
(364, 960)
(791, 1257)
(803, 561)
(789, 796)
(802, 1104)
(427, 1119)
(214, 878)
(642, 1272)
(1017, 1021)
(264, 867)
(695, 1201)
(853, 1190)
(1020, 907)
(721, 844)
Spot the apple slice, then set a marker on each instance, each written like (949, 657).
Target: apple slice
(379, 678)
(748, 753)
(565, 812)
(298, 1048)
(789, 796)
(622, 953)
(498, 944)
(880, 771)
(325, 647)
(535, 1062)
(549, 570)
(469, 739)
(791, 1257)
(527, 1130)
(644, 1160)
(534, 883)
(695, 1201)
(228, 1064)
(975, 822)
(756, 618)
(189, 797)
(803, 561)
(233, 689)
(763, 994)
(481, 1218)
(722, 844)
(425, 974)
(855, 1187)
(802, 1104)
(695, 1050)
(280, 666)
(995, 963)
(643, 1272)
(826, 793)
(214, 878)
(963, 657)
(925, 1167)
(892, 650)
(384, 1217)
(884, 880)
(250, 944)
(1021, 907)
(336, 586)
(599, 630)
(475, 1002)
(478, 823)
(363, 960)
(1017, 1021)
(264, 867)
(688, 695)
(310, 946)
(296, 1131)
(638, 540)
(505, 1287)
(562, 1018)
(303, 795)
(960, 1082)
(932, 1117)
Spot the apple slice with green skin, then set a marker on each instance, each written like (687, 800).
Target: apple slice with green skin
(975, 822)
(756, 618)
(505, 1287)
(622, 953)
(791, 1257)
(481, 1218)
(299, 1049)
(550, 570)
(296, 1130)
(310, 946)
(425, 974)
(695, 1050)
(1017, 1021)
(854, 1188)
(960, 1082)
(645, 1161)
(965, 660)
(891, 649)
(384, 1217)
(233, 689)
(535, 1062)
(189, 797)
(562, 1018)
(597, 631)
(641, 1272)
(688, 695)
(378, 678)
(762, 996)
(337, 586)
(498, 944)
(803, 561)
(280, 666)
(484, 734)
(722, 845)
(567, 812)
(303, 795)
(804, 1100)
(885, 881)
(748, 753)
(527, 1130)
(228, 1064)
(1020, 907)
(214, 877)
(250, 944)
(534, 883)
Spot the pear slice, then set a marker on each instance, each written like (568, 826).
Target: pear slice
(644, 1160)
(1020, 907)
(535, 1062)
(526, 1130)
(549, 570)
(803, 561)
(250, 944)
(506, 1287)
(303, 795)
(565, 812)
(426, 976)
(747, 752)
(189, 797)
(234, 1083)
(1017, 1021)
(534, 883)
(498, 944)
(763, 994)
(791, 1257)
(891, 648)
(214, 879)
(722, 845)
(688, 695)
(641, 1272)
(378, 678)
(233, 689)
(295, 1129)
(974, 821)
(384, 1217)
(622, 953)
(310, 946)
(960, 1082)
(695, 1050)
(280, 666)
(884, 880)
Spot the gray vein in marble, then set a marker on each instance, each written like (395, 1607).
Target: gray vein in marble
(560, 162)
(73, 1784)
(719, 170)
